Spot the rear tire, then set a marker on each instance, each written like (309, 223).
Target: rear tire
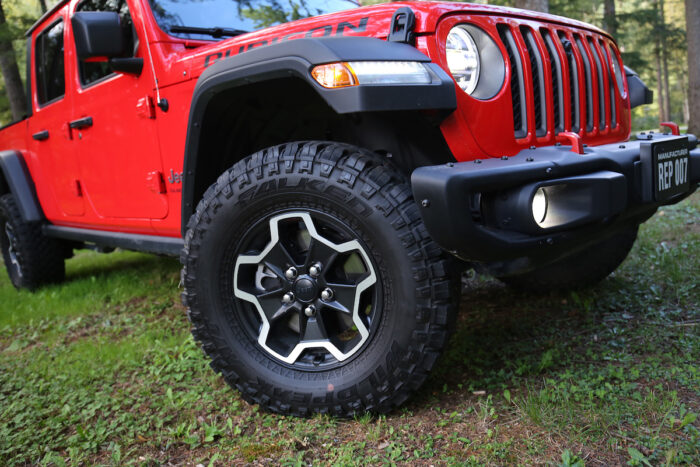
(31, 258)
(249, 259)
(580, 270)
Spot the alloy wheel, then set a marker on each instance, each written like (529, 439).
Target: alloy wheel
(311, 285)
(12, 249)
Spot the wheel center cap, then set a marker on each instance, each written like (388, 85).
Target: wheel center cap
(305, 289)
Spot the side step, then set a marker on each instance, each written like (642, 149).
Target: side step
(146, 243)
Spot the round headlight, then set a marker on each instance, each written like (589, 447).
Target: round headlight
(463, 59)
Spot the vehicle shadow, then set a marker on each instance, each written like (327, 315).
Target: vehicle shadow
(85, 265)
(503, 336)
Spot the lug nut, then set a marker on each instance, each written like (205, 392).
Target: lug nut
(315, 270)
(310, 311)
(288, 298)
(326, 294)
(290, 273)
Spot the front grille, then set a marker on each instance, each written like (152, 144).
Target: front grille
(562, 72)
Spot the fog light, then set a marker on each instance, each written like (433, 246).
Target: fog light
(539, 206)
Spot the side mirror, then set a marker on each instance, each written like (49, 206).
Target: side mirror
(131, 65)
(97, 34)
(640, 94)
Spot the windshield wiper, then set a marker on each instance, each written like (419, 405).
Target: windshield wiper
(214, 32)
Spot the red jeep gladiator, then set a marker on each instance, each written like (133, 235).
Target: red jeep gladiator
(325, 170)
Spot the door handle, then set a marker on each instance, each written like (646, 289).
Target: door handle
(81, 123)
(41, 136)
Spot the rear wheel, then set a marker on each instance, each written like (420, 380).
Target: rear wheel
(580, 270)
(31, 258)
(312, 283)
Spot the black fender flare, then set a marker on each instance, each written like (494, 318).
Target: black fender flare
(20, 183)
(296, 58)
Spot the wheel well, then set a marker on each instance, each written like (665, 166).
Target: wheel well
(4, 187)
(243, 120)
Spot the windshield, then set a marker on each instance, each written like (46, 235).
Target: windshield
(213, 19)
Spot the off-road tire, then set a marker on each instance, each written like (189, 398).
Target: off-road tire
(419, 288)
(41, 259)
(581, 270)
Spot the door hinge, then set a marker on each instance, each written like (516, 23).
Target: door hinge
(145, 107)
(156, 182)
(403, 22)
(76, 188)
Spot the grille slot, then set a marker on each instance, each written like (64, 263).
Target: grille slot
(574, 96)
(517, 82)
(589, 83)
(611, 84)
(537, 69)
(557, 81)
(601, 84)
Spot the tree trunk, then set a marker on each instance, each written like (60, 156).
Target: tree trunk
(535, 5)
(42, 4)
(10, 71)
(659, 80)
(684, 90)
(610, 18)
(664, 56)
(692, 24)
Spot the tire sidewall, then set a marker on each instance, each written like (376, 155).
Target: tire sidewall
(278, 194)
(368, 196)
(6, 217)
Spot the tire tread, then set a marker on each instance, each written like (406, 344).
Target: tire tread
(387, 190)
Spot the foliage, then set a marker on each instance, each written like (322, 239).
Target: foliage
(271, 12)
(102, 371)
(19, 15)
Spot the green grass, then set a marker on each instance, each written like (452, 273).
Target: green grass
(102, 370)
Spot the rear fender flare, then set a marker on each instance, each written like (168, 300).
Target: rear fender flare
(19, 182)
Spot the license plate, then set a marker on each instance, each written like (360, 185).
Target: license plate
(670, 166)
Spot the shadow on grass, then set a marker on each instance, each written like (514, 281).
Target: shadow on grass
(503, 336)
(87, 264)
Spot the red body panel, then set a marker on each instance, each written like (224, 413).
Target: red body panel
(110, 176)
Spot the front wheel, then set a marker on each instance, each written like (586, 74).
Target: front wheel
(312, 283)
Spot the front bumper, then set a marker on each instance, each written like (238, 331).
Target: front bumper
(481, 210)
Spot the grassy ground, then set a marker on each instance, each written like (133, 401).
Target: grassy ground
(102, 370)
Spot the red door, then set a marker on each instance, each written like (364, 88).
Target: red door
(49, 125)
(117, 141)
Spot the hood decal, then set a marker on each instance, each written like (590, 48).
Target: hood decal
(336, 29)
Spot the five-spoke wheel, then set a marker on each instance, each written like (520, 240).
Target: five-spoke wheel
(307, 288)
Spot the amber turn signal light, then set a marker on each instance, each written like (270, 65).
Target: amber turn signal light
(334, 75)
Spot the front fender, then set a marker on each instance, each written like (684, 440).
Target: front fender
(296, 58)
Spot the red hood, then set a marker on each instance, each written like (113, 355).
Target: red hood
(372, 21)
